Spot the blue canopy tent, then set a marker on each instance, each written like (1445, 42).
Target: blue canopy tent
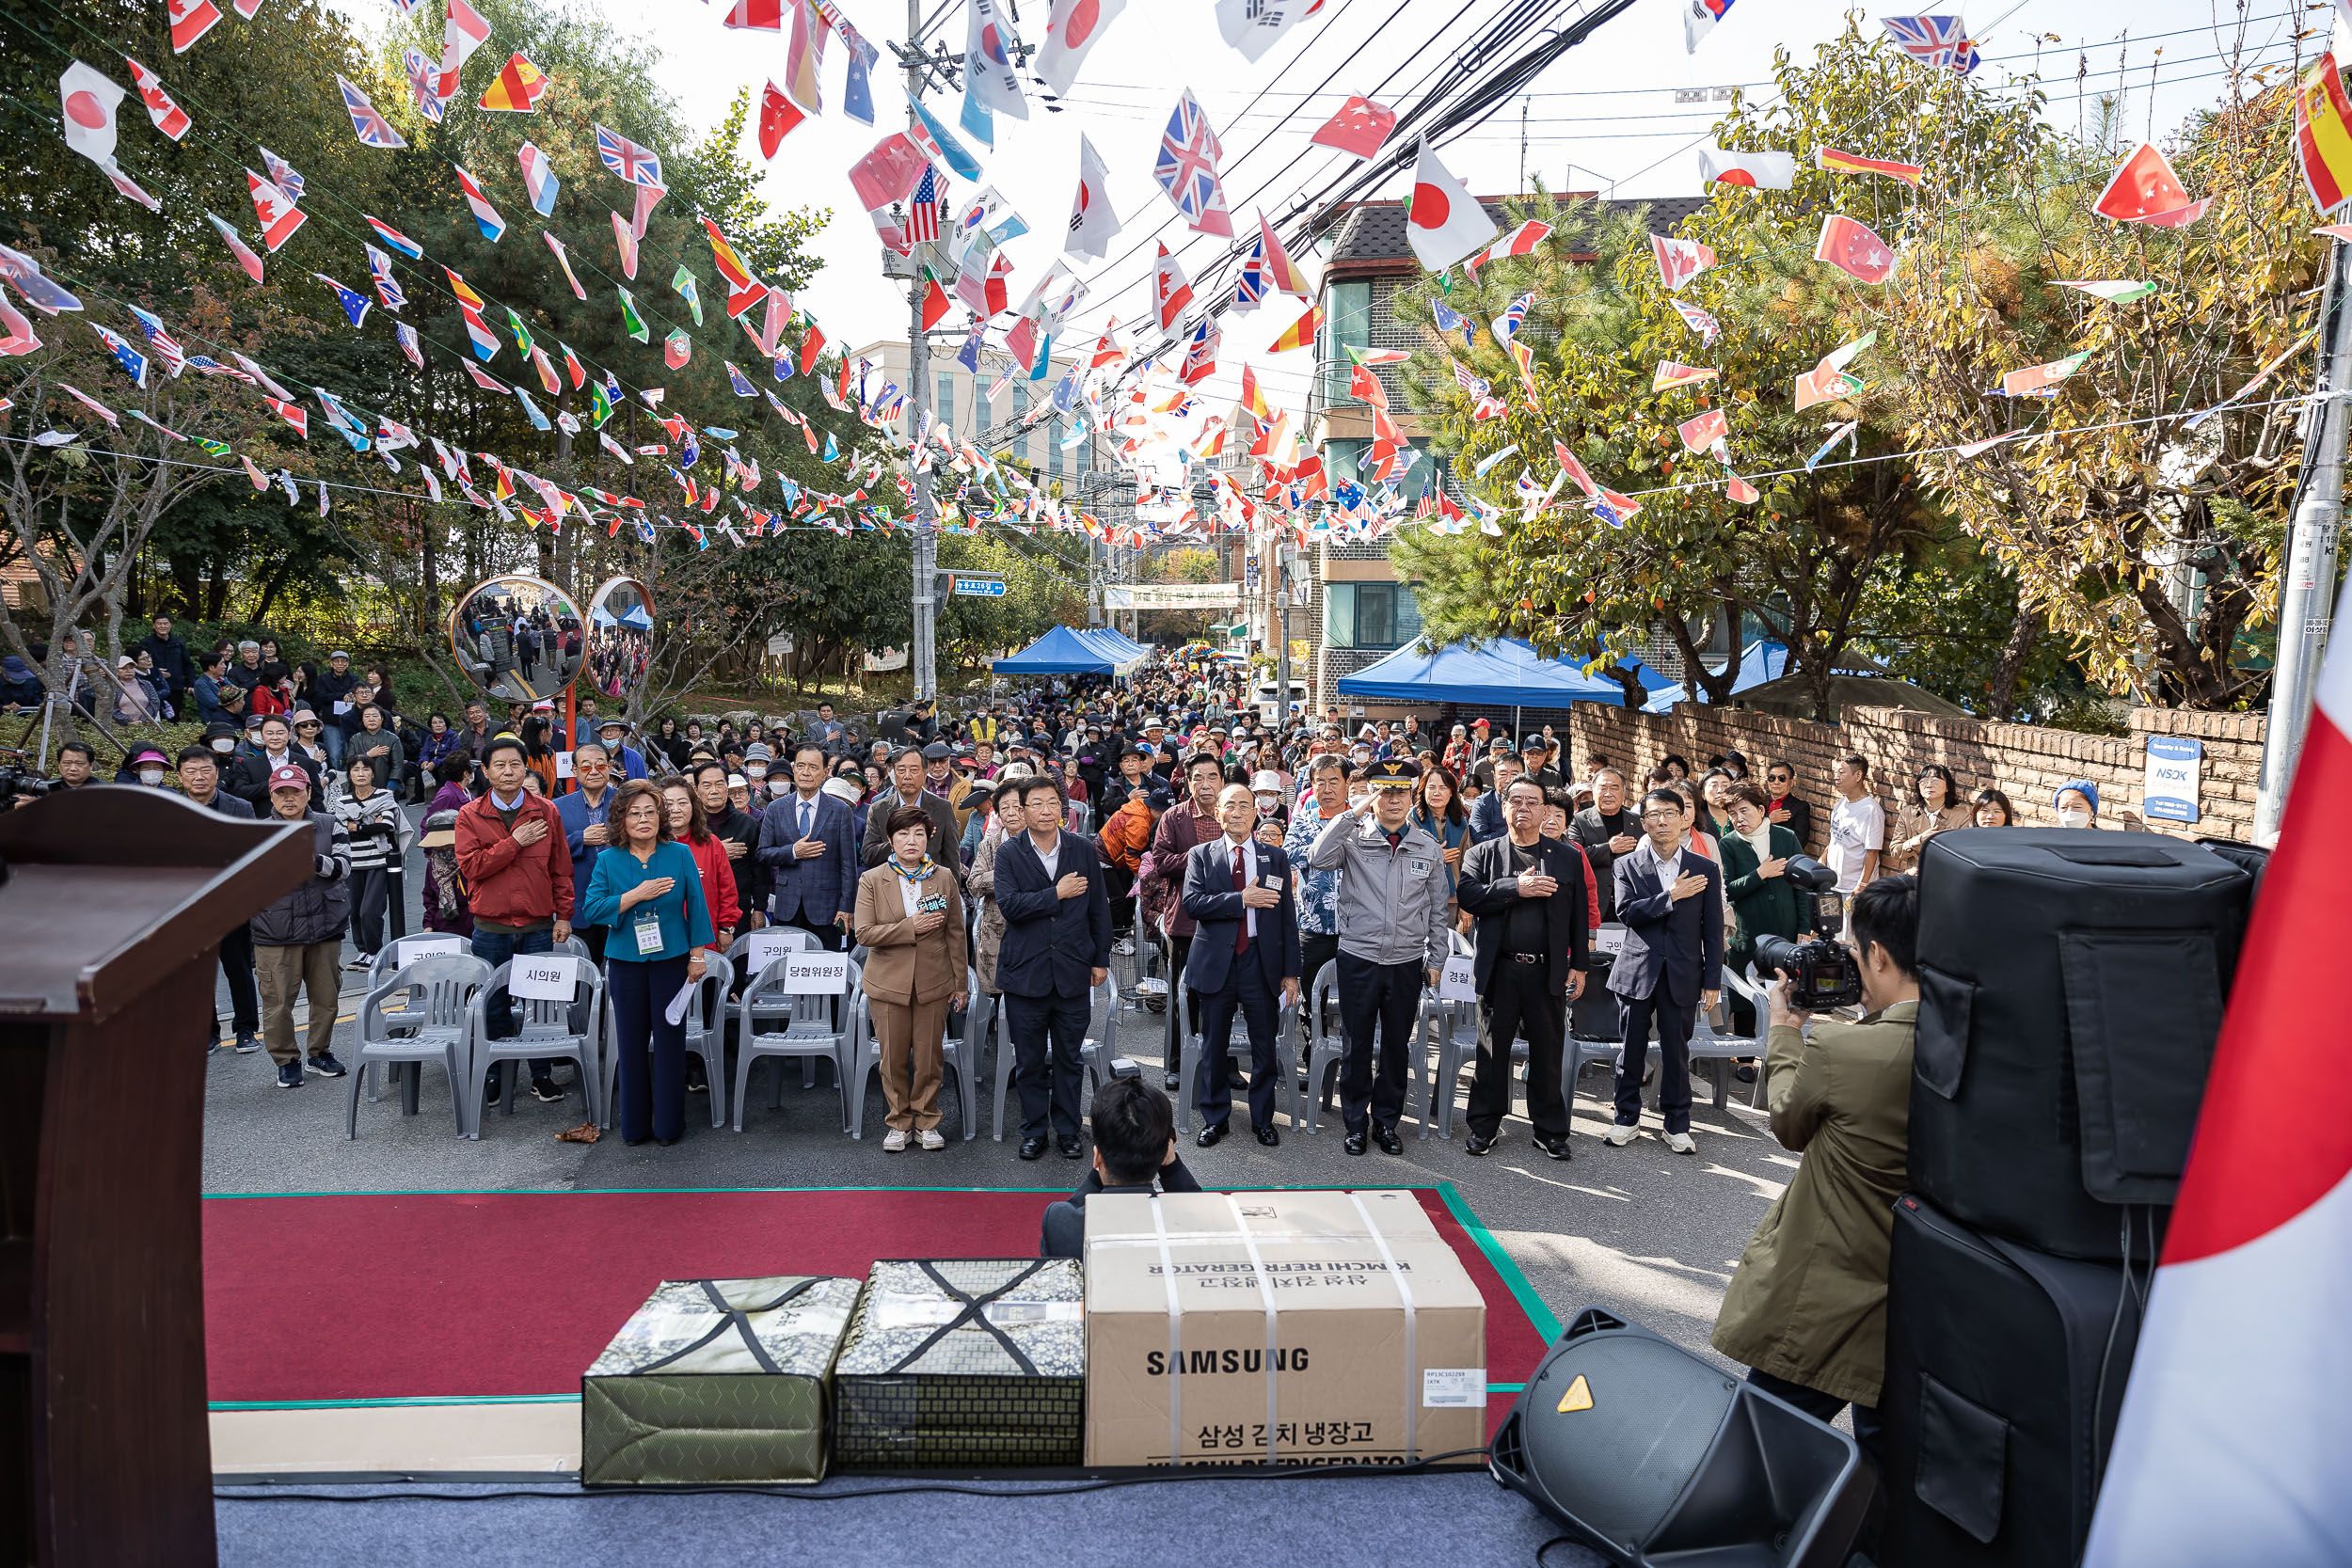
(1112, 638)
(1504, 670)
(634, 616)
(1064, 652)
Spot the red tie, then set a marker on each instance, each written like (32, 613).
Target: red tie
(1241, 881)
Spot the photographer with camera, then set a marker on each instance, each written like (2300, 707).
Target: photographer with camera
(1806, 1310)
(1135, 1151)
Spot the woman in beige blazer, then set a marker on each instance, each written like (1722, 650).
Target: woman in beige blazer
(910, 918)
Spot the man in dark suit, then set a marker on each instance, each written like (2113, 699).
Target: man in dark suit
(805, 842)
(906, 789)
(1670, 898)
(1244, 954)
(1057, 949)
(1783, 806)
(1135, 1151)
(1528, 893)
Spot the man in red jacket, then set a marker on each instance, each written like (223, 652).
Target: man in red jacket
(517, 868)
(1189, 822)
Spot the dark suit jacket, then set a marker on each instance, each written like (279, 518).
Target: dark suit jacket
(821, 887)
(1679, 944)
(1485, 819)
(1800, 822)
(1489, 888)
(1065, 1230)
(1216, 907)
(946, 833)
(1051, 945)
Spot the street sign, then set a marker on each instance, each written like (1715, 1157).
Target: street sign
(979, 588)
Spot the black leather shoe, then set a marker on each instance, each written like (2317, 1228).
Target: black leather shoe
(1208, 1137)
(1384, 1133)
(1070, 1148)
(1556, 1147)
(1033, 1149)
(1480, 1144)
(1268, 1136)
(1355, 1144)
(1170, 1082)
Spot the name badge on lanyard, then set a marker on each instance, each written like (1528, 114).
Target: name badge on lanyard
(648, 929)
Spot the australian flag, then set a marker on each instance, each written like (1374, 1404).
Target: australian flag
(637, 164)
(356, 305)
(1450, 319)
(134, 363)
(367, 121)
(1933, 41)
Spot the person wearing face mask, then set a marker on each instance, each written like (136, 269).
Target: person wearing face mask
(145, 766)
(200, 780)
(2077, 803)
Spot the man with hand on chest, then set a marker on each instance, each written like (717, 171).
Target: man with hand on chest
(1528, 897)
(1244, 954)
(1671, 899)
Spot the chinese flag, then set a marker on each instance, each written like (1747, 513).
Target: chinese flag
(1359, 127)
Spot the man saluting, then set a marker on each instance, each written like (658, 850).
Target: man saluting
(1244, 952)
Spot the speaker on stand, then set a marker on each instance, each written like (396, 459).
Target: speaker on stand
(1656, 1457)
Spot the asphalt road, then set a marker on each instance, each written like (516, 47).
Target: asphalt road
(1646, 1234)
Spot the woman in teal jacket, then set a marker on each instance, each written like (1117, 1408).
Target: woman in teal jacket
(1763, 902)
(648, 897)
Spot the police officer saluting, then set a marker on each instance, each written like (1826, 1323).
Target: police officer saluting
(1392, 942)
(1528, 894)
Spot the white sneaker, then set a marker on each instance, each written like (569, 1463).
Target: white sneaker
(1681, 1143)
(931, 1139)
(897, 1142)
(1617, 1137)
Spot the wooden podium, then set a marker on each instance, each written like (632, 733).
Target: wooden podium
(110, 925)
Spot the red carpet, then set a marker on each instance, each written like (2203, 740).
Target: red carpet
(442, 1295)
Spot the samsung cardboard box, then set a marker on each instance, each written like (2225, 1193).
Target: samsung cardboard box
(1278, 1328)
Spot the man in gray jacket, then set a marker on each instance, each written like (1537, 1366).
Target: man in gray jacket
(1392, 940)
(298, 941)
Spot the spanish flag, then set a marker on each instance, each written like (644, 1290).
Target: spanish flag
(1853, 163)
(518, 88)
(1299, 334)
(1670, 375)
(2322, 133)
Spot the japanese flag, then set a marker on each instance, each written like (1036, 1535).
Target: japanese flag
(90, 100)
(1069, 34)
(1093, 224)
(1764, 171)
(1443, 221)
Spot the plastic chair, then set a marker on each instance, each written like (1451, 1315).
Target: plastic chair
(547, 1029)
(1101, 1026)
(397, 953)
(1326, 1046)
(1713, 1047)
(1454, 1038)
(1238, 1049)
(956, 1056)
(777, 1010)
(433, 1024)
(809, 1032)
(704, 1037)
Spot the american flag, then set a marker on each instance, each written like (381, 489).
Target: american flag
(1933, 41)
(166, 348)
(923, 208)
(1186, 168)
(369, 123)
(637, 164)
(1476, 386)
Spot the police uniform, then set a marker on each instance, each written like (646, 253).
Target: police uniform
(1392, 932)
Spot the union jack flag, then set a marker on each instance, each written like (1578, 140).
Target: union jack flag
(387, 287)
(637, 164)
(367, 121)
(1933, 41)
(1252, 288)
(924, 206)
(1201, 352)
(1186, 168)
(424, 80)
(1506, 326)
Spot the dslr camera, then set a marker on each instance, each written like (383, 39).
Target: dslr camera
(19, 782)
(1822, 973)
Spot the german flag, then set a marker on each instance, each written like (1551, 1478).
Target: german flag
(518, 88)
(2322, 133)
(1851, 162)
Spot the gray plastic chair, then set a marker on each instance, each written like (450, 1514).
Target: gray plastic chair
(958, 1055)
(1238, 1049)
(1711, 1047)
(776, 1010)
(1102, 1031)
(396, 953)
(559, 1030)
(702, 1038)
(433, 1024)
(1326, 1046)
(808, 1033)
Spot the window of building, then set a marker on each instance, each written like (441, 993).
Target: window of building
(945, 404)
(1339, 460)
(1020, 411)
(1347, 323)
(1369, 615)
(1053, 447)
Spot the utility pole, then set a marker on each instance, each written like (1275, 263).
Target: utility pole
(923, 654)
(2305, 598)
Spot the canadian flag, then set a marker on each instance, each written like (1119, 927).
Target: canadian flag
(1171, 290)
(1679, 261)
(280, 217)
(190, 19)
(171, 119)
(2232, 1443)
(1443, 221)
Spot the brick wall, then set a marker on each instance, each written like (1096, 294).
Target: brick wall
(2026, 762)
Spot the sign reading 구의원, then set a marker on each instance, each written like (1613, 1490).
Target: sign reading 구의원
(2168, 793)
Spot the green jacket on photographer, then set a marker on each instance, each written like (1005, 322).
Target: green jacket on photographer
(1809, 1301)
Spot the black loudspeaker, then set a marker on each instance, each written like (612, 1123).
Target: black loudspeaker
(2005, 1372)
(2071, 990)
(892, 727)
(1656, 1456)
